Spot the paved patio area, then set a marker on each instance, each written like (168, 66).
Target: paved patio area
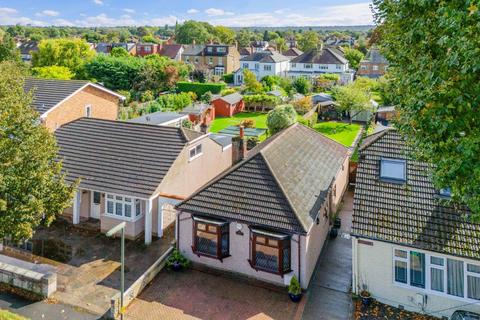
(195, 294)
(329, 291)
(88, 263)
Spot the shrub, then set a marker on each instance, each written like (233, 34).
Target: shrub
(260, 100)
(176, 256)
(281, 117)
(127, 94)
(294, 287)
(187, 124)
(206, 97)
(303, 105)
(226, 92)
(228, 78)
(330, 76)
(248, 123)
(302, 85)
(200, 88)
(147, 96)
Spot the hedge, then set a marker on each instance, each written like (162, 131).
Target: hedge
(200, 88)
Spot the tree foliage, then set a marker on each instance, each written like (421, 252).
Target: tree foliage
(352, 98)
(302, 85)
(192, 31)
(32, 187)
(433, 50)
(252, 85)
(308, 41)
(53, 72)
(354, 57)
(8, 49)
(281, 117)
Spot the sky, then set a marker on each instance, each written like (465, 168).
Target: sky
(242, 13)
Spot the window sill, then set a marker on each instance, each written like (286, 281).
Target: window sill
(434, 293)
(268, 271)
(134, 219)
(195, 157)
(201, 254)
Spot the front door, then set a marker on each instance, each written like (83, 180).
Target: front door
(96, 199)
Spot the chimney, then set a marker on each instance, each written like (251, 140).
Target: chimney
(242, 148)
(204, 126)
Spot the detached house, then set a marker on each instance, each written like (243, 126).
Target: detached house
(315, 62)
(217, 59)
(374, 65)
(263, 64)
(268, 216)
(135, 172)
(61, 101)
(412, 246)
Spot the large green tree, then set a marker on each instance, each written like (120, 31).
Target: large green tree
(32, 187)
(308, 41)
(52, 72)
(281, 117)
(192, 31)
(433, 48)
(8, 49)
(354, 57)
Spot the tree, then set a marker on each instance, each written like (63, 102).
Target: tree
(432, 48)
(352, 99)
(70, 53)
(251, 83)
(32, 186)
(303, 105)
(52, 72)
(244, 37)
(119, 52)
(192, 31)
(150, 39)
(281, 117)
(354, 57)
(308, 41)
(224, 35)
(281, 44)
(8, 49)
(302, 85)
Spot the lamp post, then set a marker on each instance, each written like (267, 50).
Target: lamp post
(111, 233)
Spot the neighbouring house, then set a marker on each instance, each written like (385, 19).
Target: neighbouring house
(268, 216)
(216, 58)
(293, 52)
(315, 62)
(160, 118)
(106, 48)
(262, 64)
(412, 245)
(173, 51)
(228, 105)
(61, 101)
(135, 172)
(385, 114)
(200, 114)
(145, 49)
(374, 65)
(26, 49)
(259, 46)
(245, 51)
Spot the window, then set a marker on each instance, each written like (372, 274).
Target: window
(364, 67)
(147, 49)
(375, 68)
(88, 111)
(338, 66)
(308, 66)
(245, 65)
(393, 169)
(257, 66)
(323, 67)
(445, 193)
(187, 59)
(211, 238)
(270, 252)
(195, 152)
(436, 274)
(294, 65)
(267, 67)
(209, 49)
(120, 206)
(210, 60)
(220, 61)
(221, 49)
(196, 60)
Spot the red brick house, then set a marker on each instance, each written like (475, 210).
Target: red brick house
(145, 49)
(228, 105)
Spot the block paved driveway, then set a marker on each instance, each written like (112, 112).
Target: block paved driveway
(195, 294)
(328, 295)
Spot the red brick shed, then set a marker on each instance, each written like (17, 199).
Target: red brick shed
(228, 105)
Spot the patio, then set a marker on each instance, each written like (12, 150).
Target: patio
(88, 263)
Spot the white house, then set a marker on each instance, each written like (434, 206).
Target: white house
(263, 64)
(315, 62)
(412, 247)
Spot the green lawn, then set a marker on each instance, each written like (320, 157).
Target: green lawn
(223, 122)
(342, 132)
(6, 315)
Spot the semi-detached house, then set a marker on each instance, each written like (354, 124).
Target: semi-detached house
(263, 64)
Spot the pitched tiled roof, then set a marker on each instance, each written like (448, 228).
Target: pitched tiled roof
(281, 185)
(170, 50)
(232, 98)
(265, 57)
(118, 157)
(293, 52)
(28, 47)
(324, 56)
(49, 92)
(374, 56)
(157, 118)
(409, 214)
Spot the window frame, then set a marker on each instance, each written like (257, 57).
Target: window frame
(88, 111)
(133, 210)
(428, 266)
(283, 242)
(267, 67)
(389, 179)
(222, 230)
(198, 149)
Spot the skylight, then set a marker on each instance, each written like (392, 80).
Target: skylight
(394, 170)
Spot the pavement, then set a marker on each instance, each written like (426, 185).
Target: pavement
(328, 295)
(42, 310)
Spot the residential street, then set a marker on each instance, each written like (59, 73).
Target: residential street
(329, 291)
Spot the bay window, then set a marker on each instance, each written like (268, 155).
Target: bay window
(123, 207)
(436, 274)
(211, 238)
(270, 252)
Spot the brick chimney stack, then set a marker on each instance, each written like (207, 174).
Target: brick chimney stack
(243, 144)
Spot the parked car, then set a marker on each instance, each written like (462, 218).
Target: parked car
(465, 315)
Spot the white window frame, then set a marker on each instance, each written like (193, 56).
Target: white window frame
(134, 217)
(221, 50)
(245, 66)
(338, 66)
(428, 265)
(294, 65)
(198, 151)
(308, 66)
(323, 67)
(394, 180)
(267, 67)
(88, 111)
(364, 67)
(375, 67)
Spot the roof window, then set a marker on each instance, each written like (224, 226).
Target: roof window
(393, 170)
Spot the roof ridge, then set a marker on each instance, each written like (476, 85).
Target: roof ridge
(375, 136)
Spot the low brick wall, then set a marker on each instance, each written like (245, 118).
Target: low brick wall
(28, 279)
(136, 288)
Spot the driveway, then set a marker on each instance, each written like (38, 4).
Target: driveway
(329, 291)
(194, 294)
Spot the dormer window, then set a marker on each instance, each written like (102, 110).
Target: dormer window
(195, 152)
(393, 170)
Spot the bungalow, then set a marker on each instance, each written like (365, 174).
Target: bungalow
(268, 216)
(161, 118)
(134, 172)
(61, 101)
(413, 247)
(262, 64)
(315, 62)
(228, 105)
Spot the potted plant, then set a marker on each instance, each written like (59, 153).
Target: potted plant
(337, 223)
(333, 233)
(176, 261)
(366, 298)
(294, 290)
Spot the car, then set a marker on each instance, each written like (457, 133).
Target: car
(464, 315)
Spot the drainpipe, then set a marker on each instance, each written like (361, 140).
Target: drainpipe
(177, 236)
(299, 260)
(354, 265)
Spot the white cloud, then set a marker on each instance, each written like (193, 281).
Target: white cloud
(48, 13)
(127, 10)
(161, 21)
(6, 11)
(9, 16)
(63, 22)
(217, 12)
(98, 2)
(103, 20)
(192, 11)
